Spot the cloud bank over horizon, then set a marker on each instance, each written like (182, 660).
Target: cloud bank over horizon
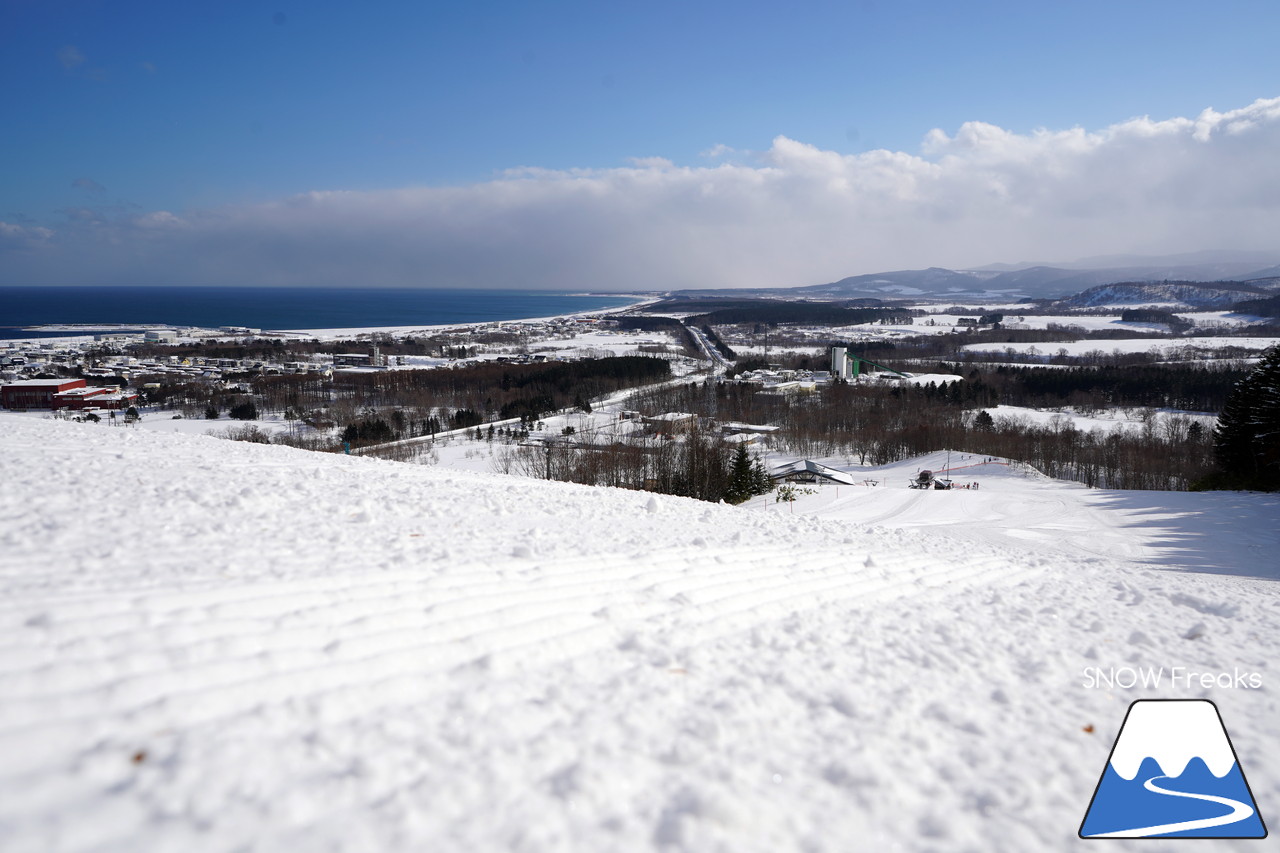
(791, 215)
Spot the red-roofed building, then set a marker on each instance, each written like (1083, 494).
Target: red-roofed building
(35, 393)
(63, 394)
(93, 398)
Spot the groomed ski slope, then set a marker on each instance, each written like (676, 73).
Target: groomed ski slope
(210, 645)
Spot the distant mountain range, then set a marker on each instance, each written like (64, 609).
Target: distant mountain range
(1041, 282)
(1208, 259)
(1256, 271)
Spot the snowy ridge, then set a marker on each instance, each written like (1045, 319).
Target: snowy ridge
(1173, 733)
(1176, 294)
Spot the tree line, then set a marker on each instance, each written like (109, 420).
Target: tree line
(699, 465)
(396, 404)
(873, 424)
(809, 313)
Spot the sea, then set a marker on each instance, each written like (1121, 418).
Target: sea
(268, 308)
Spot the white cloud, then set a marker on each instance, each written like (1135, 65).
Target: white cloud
(651, 163)
(70, 57)
(22, 238)
(796, 215)
(717, 151)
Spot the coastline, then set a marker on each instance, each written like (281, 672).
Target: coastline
(330, 334)
(82, 333)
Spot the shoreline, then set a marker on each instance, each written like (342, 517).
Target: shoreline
(86, 331)
(439, 327)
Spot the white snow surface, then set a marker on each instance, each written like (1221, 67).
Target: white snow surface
(1105, 420)
(213, 645)
(1169, 347)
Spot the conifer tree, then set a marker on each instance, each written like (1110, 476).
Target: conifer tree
(741, 478)
(762, 482)
(1246, 441)
(1266, 417)
(1233, 436)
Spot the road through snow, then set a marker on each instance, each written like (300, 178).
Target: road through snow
(212, 645)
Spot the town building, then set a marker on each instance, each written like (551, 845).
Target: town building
(78, 399)
(35, 393)
(811, 473)
(670, 423)
(73, 394)
(352, 359)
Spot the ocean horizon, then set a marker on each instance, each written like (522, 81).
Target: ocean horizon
(278, 308)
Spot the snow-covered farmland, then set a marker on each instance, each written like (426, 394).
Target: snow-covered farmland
(212, 645)
(948, 322)
(1132, 419)
(776, 353)
(604, 343)
(1221, 318)
(1172, 348)
(810, 341)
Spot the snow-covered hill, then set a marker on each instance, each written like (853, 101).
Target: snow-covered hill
(1180, 294)
(1046, 282)
(209, 645)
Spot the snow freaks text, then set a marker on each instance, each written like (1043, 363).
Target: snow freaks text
(1154, 678)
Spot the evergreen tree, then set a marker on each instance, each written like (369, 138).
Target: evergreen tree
(1246, 441)
(762, 483)
(1266, 418)
(1233, 436)
(245, 411)
(741, 477)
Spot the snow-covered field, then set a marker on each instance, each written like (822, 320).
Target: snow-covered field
(777, 353)
(1037, 321)
(945, 324)
(211, 645)
(603, 342)
(1014, 320)
(1106, 420)
(1168, 347)
(164, 421)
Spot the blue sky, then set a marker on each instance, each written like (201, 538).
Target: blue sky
(118, 111)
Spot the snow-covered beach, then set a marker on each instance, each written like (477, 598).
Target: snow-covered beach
(213, 645)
